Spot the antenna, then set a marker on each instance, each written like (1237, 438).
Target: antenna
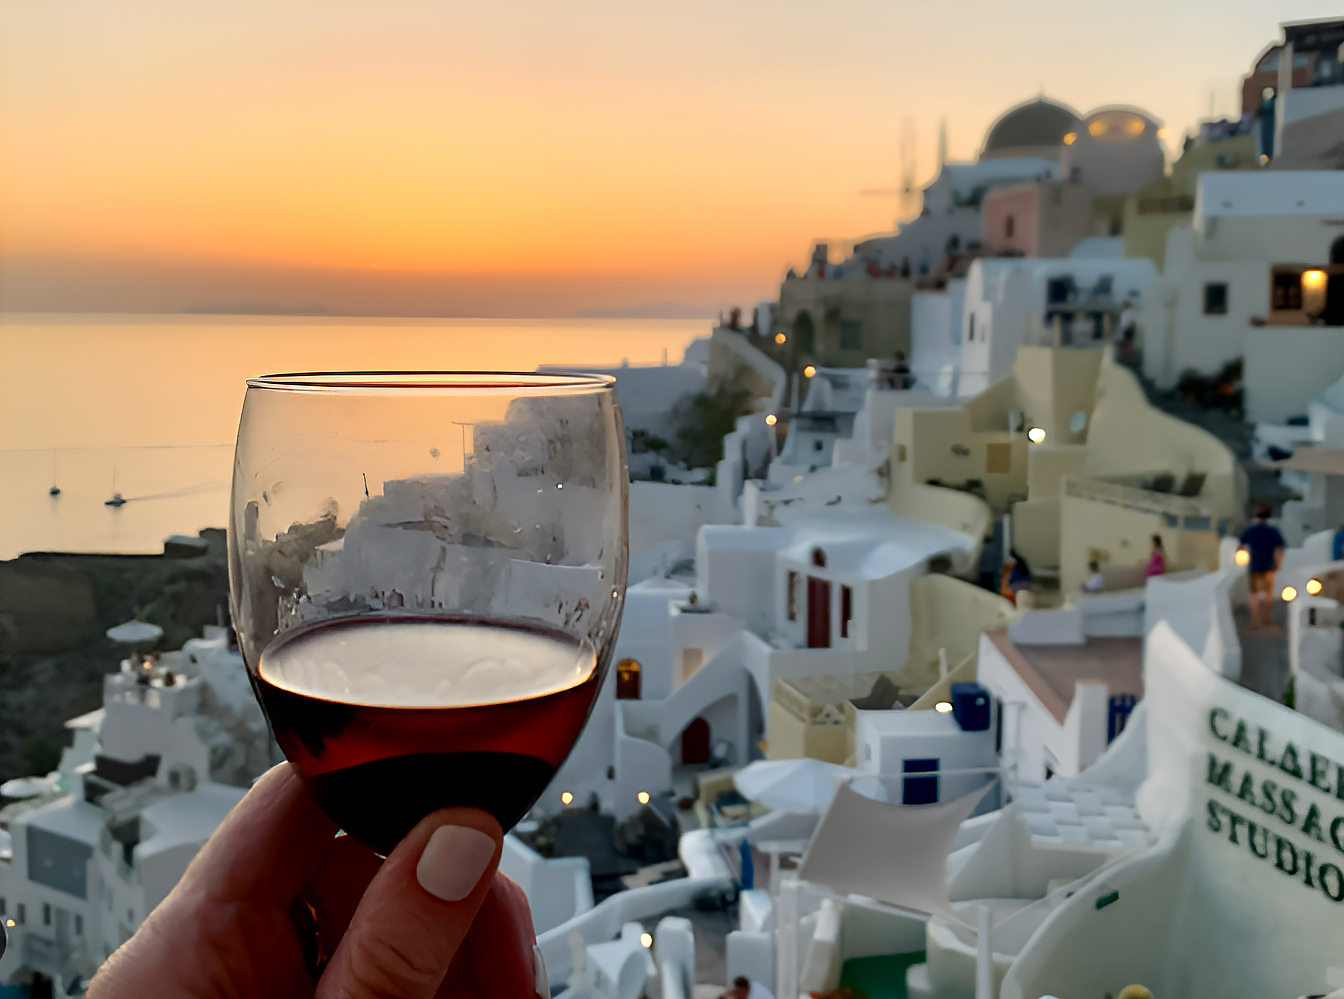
(908, 193)
(366, 484)
(942, 143)
(464, 426)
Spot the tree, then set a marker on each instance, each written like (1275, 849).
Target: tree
(703, 419)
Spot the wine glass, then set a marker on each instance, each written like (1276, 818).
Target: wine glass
(427, 571)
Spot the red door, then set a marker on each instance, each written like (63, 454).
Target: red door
(695, 742)
(818, 613)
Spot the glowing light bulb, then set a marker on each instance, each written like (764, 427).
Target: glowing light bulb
(643, 797)
(771, 420)
(646, 939)
(1289, 594)
(1313, 586)
(810, 370)
(1070, 138)
(1313, 279)
(943, 707)
(780, 338)
(1242, 557)
(1035, 435)
(566, 797)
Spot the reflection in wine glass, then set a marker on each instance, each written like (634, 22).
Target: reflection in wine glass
(427, 574)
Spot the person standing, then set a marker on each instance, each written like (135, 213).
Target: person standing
(1157, 560)
(1264, 544)
(1095, 583)
(1129, 324)
(900, 372)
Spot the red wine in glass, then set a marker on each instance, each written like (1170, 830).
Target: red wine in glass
(390, 718)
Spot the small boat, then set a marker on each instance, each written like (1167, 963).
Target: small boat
(54, 491)
(116, 500)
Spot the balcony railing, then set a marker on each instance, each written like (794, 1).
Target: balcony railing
(1182, 508)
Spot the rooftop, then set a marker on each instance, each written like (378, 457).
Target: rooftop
(1051, 671)
(1255, 193)
(1037, 122)
(870, 545)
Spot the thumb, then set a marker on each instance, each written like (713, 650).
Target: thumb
(417, 909)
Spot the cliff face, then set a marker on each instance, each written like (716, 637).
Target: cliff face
(54, 610)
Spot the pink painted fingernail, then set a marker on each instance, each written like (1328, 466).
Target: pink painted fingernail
(454, 860)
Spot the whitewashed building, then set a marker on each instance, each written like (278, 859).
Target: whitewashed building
(1232, 287)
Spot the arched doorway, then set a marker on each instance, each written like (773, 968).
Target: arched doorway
(818, 606)
(695, 742)
(805, 332)
(628, 680)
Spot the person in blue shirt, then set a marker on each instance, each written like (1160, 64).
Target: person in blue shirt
(1264, 544)
(1337, 548)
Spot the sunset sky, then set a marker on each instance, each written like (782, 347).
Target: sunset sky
(512, 158)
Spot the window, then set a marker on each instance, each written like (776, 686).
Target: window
(46, 914)
(919, 790)
(79, 925)
(1008, 227)
(819, 558)
(23, 914)
(851, 334)
(998, 459)
(1215, 298)
(628, 677)
(846, 610)
(970, 328)
(1286, 292)
(793, 595)
(2, 906)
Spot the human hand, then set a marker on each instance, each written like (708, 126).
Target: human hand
(274, 894)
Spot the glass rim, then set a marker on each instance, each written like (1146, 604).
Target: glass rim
(476, 381)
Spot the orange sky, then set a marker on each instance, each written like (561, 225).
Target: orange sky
(522, 158)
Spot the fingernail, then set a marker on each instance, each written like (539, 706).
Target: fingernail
(543, 983)
(454, 860)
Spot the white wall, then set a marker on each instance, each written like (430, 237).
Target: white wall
(736, 570)
(1203, 913)
(661, 511)
(557, 889)
(884, 740)
(648, 393)
(1287, 366)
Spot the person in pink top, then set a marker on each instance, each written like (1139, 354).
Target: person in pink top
(1157, 561)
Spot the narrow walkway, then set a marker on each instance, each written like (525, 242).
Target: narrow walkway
(1264, 654)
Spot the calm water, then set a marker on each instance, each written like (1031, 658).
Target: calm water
(148, 405)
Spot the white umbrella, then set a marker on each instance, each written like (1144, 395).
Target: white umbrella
(134, 632)
(802, 785)
(25, 787)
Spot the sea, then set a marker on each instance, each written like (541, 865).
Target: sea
(147, 406)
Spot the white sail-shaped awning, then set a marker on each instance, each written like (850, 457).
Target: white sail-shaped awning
(893, 853)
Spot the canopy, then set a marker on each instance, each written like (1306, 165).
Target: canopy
(894, 853)
(802, 785)
(134, 632)
(25, 787)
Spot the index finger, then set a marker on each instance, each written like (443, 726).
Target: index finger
(268, 847)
